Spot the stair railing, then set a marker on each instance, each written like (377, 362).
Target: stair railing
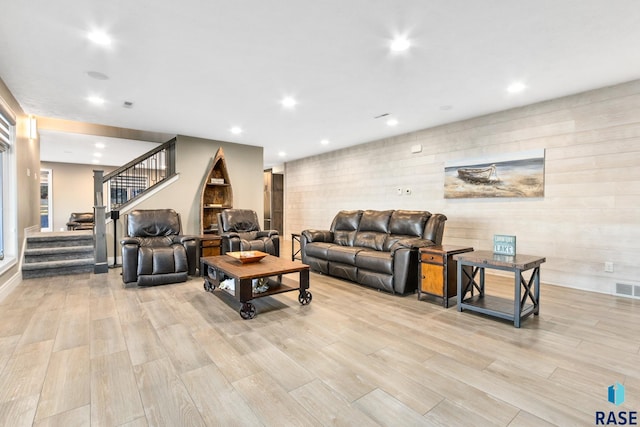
(136, 177)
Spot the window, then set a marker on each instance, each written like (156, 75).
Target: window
(7, 123)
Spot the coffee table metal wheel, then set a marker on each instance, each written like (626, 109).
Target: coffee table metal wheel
(305, 298)
(248, 311)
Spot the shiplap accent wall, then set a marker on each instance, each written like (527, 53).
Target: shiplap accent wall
(590, 212)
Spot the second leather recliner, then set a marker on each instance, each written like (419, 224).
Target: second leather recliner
(240, 231)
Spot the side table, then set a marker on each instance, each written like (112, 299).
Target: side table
(438, 271)
(295, 237)
(526, 299)
(208, 245)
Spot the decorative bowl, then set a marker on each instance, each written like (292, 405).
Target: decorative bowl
(246, 257)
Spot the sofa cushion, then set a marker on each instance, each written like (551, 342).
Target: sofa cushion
(379, 261)
(370, 239)
(343, 254)
(375, 221)
(344, 227)
(317, 249)
(409, 223)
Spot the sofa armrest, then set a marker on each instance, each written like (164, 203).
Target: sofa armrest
(318, 236)
(130, 241)
(268, 233)
(190, 244)
(229, 234)
(434, 228)
(184, 239)
(411, 243)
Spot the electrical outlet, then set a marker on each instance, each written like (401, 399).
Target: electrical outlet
(608, 267)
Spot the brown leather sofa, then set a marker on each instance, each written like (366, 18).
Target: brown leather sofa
(373, 248)
(240, 231)
(153, 251)
(80, 221)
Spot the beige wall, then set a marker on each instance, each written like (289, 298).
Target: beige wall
(589, 213)
(27, 169)
(72, 190)
(193, 159)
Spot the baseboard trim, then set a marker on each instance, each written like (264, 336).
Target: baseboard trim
(10, 285)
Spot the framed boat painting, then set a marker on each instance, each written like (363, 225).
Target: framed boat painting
(502, 175)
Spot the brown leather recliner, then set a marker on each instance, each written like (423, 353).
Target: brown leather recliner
(240, 231)
(153, 251)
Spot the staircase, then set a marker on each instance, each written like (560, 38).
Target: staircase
(58, 253)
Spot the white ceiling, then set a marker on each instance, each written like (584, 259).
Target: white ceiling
(88, 149)
(200, 67)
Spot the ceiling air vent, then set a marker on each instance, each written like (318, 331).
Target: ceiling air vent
(127, 104)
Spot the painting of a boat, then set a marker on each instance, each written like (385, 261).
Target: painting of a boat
(519, 174)
(478, 175)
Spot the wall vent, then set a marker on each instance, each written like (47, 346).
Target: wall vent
(628, 290)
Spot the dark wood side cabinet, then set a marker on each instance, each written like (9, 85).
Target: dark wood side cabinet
(438, 271)
(209, 245)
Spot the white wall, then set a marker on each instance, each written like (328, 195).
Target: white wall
(590, 212)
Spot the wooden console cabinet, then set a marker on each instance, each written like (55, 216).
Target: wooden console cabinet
(438, 271)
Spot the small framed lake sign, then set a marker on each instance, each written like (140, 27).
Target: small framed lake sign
(504, 245)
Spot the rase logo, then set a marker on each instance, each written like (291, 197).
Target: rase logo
(615, 395)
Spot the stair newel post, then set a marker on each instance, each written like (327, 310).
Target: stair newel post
(100, 228)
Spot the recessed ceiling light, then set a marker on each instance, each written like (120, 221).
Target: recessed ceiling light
(392, 122)
(400, 44)
(288, 102)
(324, 142)
(99, 37)
(100, 145)
(236, 130)
(516, 87)
(95, 100)
(96, 161)
(282, 154)
(97, 154)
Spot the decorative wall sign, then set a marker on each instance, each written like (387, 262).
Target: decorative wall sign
(504, 245)
(503, 175)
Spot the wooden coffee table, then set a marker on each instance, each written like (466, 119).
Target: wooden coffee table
(269, 269)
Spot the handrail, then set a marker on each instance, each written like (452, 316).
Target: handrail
(136, 177)
(140, 158)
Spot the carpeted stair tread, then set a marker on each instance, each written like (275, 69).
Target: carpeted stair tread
(60, 239)
(57, 264)
(60, 249)
(58, 253)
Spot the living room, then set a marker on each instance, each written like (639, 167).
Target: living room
(587, 217)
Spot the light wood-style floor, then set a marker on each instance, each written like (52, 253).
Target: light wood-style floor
(82, 350)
